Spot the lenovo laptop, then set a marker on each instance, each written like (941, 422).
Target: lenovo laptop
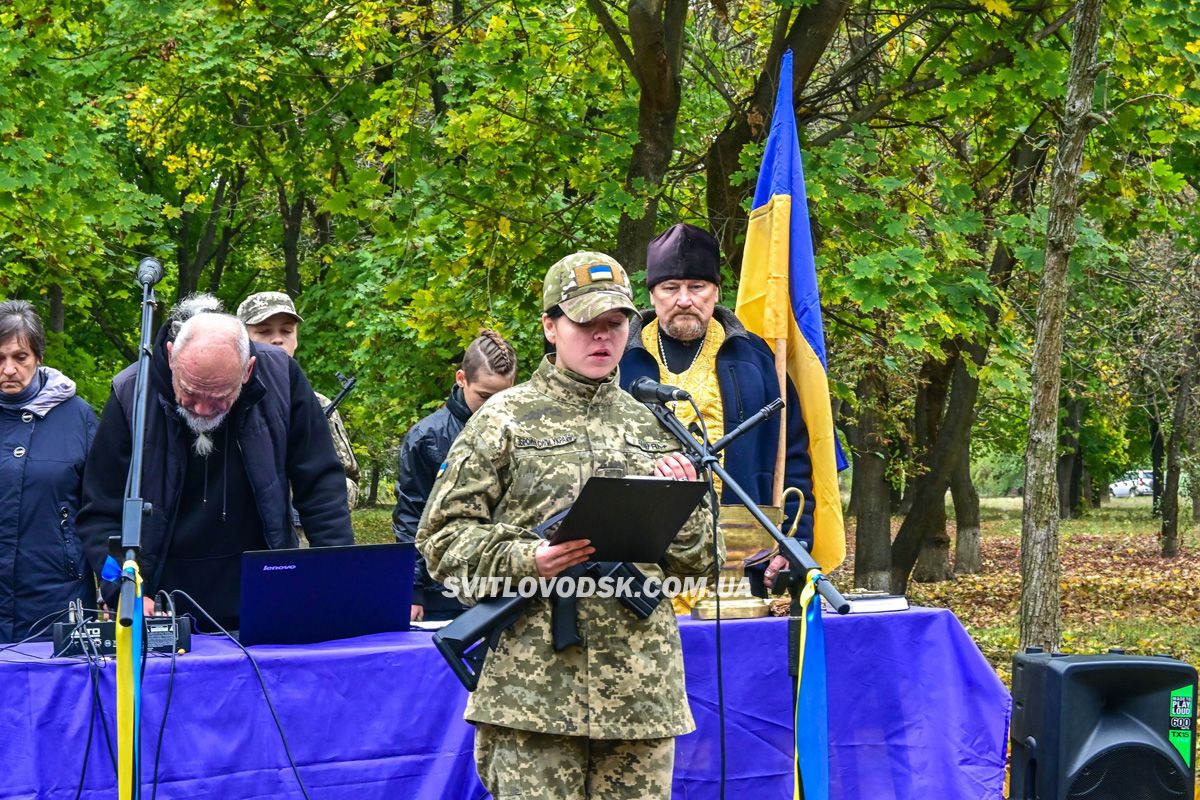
(315, 594)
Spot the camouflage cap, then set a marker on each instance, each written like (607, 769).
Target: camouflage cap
(262, 306)
(587, 285)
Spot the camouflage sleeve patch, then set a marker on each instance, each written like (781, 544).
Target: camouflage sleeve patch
(457, 534)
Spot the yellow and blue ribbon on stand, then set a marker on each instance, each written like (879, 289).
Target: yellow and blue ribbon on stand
(812, 699)
(129, 690)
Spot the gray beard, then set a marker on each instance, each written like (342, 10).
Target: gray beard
(201, 426)
(202, 445)
(685, 329)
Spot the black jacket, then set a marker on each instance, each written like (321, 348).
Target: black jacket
(43, 445)
(746, 377)
(421, 457)
(281, 434)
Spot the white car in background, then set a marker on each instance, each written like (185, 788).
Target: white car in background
(1136, 483)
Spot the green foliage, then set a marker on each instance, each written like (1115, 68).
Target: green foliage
(409, 170)
(997, 474)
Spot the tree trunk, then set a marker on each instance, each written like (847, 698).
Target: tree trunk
(373, 489)
(656, 33)
(1156, 462)
(58, 316)
(291, 214)
(191, 260)
(968, 560)
(933, 563)
(1070, 462)
(896, 496)
(873, 521)
(852, 433)
(229, 231)
(1091, 493)
(1169, 536)
(929, 493)
(808, 36)
(1041, 620)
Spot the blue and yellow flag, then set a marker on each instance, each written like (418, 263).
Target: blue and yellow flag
(778, 299)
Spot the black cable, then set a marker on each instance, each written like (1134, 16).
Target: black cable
(96, 661)
(266, 695)
(162, 727)
(712, 491)
(71, 638)
(94, 678)
(36, 633)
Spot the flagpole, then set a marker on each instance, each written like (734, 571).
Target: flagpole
(781, 444)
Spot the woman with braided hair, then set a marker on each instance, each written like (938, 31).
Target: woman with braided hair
(488, 367)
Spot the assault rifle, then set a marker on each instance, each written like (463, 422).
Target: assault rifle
(465, 642)
(347, 385)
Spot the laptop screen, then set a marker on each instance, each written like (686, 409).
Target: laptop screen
(315, 594)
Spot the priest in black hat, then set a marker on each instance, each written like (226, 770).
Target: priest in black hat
(688, 340)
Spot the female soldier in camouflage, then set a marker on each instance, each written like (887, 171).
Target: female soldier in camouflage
(597, 719)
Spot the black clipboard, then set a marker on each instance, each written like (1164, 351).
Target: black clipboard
(630, 519)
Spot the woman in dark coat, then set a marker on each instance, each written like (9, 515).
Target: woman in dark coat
(45, 433)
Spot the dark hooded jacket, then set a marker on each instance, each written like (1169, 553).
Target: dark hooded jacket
(43, 448)
(746, 377)
(281, 435)
(421, 456)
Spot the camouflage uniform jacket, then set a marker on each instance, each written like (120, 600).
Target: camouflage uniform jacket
(521, 458)
(345, 453)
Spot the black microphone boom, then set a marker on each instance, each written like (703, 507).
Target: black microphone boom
(648, 391)
(149, 271)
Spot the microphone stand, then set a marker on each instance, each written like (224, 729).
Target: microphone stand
(801, 561)
(129, 607)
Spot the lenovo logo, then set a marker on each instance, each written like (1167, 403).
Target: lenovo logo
(275, 567)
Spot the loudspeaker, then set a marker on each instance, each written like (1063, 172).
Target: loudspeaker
(1103, 727)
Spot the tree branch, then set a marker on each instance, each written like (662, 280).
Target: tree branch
(614, 35)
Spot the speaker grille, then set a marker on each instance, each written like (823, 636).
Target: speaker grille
(1133, 772)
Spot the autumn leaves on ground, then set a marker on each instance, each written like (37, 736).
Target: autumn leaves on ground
(1117, 590)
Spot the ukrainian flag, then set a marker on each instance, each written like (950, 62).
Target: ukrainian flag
(778, 299)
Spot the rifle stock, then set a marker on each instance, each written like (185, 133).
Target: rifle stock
(465, 641)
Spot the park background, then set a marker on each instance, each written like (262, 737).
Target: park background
(408, 170)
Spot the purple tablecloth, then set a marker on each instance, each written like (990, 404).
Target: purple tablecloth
(915, 712)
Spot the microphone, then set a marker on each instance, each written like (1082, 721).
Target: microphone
(149, 271)
(648, 391)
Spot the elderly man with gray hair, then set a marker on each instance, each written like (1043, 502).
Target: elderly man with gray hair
(230, 425)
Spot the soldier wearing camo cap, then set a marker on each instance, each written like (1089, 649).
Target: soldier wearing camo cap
(597, 719)
(271, 318)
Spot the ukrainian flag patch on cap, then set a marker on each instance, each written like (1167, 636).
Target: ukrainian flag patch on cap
(600, 272)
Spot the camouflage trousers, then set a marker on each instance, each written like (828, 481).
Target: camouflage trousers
(525, 765)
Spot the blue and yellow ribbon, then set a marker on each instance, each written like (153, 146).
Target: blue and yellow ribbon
(812, 711)
(129, 690)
